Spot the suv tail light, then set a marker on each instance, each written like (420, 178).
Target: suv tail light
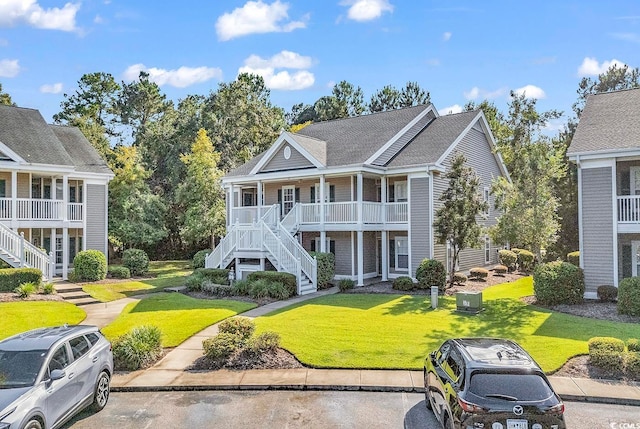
(556, 409)
(470, 408)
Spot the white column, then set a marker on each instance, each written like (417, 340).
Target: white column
(431, 237)
(353, 254)
(360, 181)
(65, 253)
(323, 241)
(65, 198)
(14, 195)
(323, 232)
(385, 255)
(259, 196)
(230, 204)
(52, 243)
(614, 204)
(360, 258)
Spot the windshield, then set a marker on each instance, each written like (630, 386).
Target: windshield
(510, 386)
(20, 368)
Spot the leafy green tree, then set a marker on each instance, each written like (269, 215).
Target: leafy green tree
(350, 98)
(5, 98)
(455, 222)
(413, 95)
(614, 79)
(301, 113)
(497, 123)
(201, 193)
(384, 99)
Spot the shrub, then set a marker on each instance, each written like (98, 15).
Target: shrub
(119, 272)
(607, 293)
(558, 283)
(48, 289)
(11, 278)
(500, 270)
(629, 296)
(632, 364)
(26, 289)
(346, 284)
(431, 272)
(138, 348)
(243, 327)
(241, 287)
(633, 345)
(194, 282)
(478, 273)
(265, 342)
(136, 260)
(215, 275)
(90, 265)
(326, 268)
(403, 283)
(574, 258)
(606, 343)
(221, 346)
(459, 278)
(526, 260)
(606, 359)
(264, 288)
(199, 257)
(287, 279)
(507, 258)
(216, 289)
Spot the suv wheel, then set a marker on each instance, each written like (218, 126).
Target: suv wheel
(101, 395)
(33, 424)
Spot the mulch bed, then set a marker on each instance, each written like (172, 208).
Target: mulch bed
(10, 297)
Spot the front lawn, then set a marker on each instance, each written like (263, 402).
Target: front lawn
(397, 331)
(178, 316)
(162, 274)
(20, 316)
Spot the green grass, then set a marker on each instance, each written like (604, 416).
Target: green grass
(397, 331)
(165, 273)
(178, 316)
(20, 316)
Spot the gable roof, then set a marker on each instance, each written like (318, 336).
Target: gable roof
(84, 157)
(609, 122)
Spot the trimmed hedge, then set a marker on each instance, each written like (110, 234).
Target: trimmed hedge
(265, 342)
(431, 272)
(612, 361)
(606, 343)
(526, 260)
(500, 270)
(632, 364)
(574, 258)
(221, 346)
(263, 288)
(216, 289)
(199, 257)
(119, 272)
(629, 296)
(478, 273)
(326, 268)
(633, 345)
(558, 283)
(607, 293)
(11, 278)
(90, 265)
(460, 278)
(346, 284)
(243, 327)
(507, 258)
(287, 279)
(404, 283)
(138, 348)
(136, 260)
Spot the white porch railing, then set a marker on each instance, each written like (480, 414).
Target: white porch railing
(251, 214)
(39, 209)
(629, 209)
(74, 211)
(396, 212)
(19, 252)
(347, 212)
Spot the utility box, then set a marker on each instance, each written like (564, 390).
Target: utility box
(469, 302)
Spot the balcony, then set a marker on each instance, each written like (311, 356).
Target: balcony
(39, 209)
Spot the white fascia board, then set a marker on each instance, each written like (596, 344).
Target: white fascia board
(400, 134)
(10, 153)
(596, 163)
(608, 153)
(288, 138)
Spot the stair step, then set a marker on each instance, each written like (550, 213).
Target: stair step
(67, 289)
(83, 301)
(74, 295)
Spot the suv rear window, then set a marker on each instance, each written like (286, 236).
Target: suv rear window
(510, 386)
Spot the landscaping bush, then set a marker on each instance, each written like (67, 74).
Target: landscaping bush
(214, 275)
(558, 283)
(119, 272)
(633, 345)
(216, 289)
(431, 272)
(606, 359)
(264, 288)
(478, 273)
(607, 293)
(243, 327)
(629, 296)
(526, 260)
(500, 270)
(136, 260)
(507, 258)
(194, 282)
(90, 265)
(138, 348)
(265, 342)
(48, 289)
(326, 268)
(287, 279)
(632, 364)
(346, 284)
(459, 278)
(606, 343)
(403, 283)
(26, 289)
(241, 287)
(11, 278)
(221, 346)
(574, 258)
(199, 257)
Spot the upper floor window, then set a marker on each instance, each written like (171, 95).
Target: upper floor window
(398, 191)
(3, 188)
(486, 196)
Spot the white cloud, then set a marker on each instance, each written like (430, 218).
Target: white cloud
(9, 68)
(55, 88)
(98, 19)
(256, 17)
(590, 66)
(531, 91)
(180, 78)
(367, 10)
(555, 125)
(13, 12)
(456, 108)
(446, 36)
(283, 79)
(331, 84)
(476, 93)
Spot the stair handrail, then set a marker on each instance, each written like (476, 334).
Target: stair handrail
(26, 253)
(308, 264)
(291, 219)
(222, 250)
(270, 216)
(273, 244)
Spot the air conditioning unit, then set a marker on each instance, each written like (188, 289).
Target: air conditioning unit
(469, 302)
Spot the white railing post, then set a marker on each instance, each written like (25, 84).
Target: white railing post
(51, 265)
(22, 249)
(299, 275)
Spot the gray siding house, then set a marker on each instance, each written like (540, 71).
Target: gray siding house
(53, 193)
(606, 150)
(364, 188)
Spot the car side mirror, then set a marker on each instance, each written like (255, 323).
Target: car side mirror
(57, 374)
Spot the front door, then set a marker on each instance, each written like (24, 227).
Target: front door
(288, 199)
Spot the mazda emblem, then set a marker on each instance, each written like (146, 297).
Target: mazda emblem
(518, 410)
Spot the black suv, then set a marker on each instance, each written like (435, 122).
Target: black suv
(489, 383)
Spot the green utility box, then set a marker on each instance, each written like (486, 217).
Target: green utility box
(469, 302)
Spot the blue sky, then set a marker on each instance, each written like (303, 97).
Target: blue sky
(457, 50)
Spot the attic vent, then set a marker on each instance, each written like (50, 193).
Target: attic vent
(403, 140)
(4, 157)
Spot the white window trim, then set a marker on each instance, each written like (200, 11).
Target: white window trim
(635, 245)
(326, 192)
(396, 253)
(293, 196)
(486, 197)
(632, 183)
(398, 185)
(487, 249)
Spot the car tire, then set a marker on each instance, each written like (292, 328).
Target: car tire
(448, 423)
(427, 396)
(101, 394)
(33, 424)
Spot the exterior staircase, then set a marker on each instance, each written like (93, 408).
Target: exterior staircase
(18, 252)
(74, 294)
(272, 239)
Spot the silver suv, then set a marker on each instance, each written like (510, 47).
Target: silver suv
(48, 375)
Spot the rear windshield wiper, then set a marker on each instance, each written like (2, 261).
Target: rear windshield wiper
(500, 396)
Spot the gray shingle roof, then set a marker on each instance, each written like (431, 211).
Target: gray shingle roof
(85, 157)
(317, 148)
(609, 121)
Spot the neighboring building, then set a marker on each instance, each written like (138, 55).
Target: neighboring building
(606, 149)
(364, 188)
(53, 192)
